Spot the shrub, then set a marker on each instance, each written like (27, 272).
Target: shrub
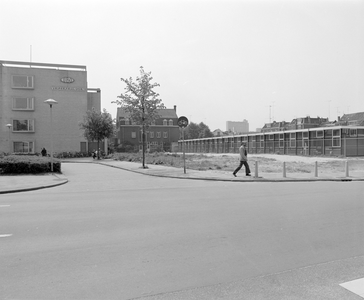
(16, 164)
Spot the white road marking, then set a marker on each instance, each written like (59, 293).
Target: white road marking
(5, 235)
(355, 286)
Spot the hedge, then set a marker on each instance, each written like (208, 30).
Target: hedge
(14, 164)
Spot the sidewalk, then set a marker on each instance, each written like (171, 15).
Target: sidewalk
(217, 175)
(24, 183)
(21, 183)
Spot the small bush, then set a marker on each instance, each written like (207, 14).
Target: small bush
(15, 164)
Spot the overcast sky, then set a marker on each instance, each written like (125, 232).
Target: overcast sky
(217, 61)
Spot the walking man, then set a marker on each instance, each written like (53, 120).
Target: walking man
(243, 160)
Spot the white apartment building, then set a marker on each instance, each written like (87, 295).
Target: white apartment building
(25, 119)
(237, 126)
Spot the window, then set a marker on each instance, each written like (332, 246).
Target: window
(133, 135)
(353, 132)
(23, 125)
(320, 134)
(328, 133)
(158, 134)
(305, 134)
(23, 103)
(127, 121)
(23, 147)
(152, 134)
(336, 140)
(22, 82)
(164, 122)
(165, 134)
(292, 141)
(271, 137)
(360, 132)
(170, 122)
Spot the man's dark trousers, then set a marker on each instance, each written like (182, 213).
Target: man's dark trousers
(247, 169)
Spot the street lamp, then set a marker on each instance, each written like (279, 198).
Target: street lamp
(9, 126)
(51, 102)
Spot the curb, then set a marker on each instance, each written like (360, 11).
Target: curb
(253, 179)
(64, 181)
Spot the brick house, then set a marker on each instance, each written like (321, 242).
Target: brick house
(159, 135)
(307, 122)
(275, 126)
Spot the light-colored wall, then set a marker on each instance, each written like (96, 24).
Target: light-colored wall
(72, 105)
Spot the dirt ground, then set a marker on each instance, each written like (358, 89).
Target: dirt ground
(273, 163)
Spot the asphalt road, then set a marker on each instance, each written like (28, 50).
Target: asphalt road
(113, 234)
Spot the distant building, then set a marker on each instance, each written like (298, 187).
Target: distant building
(355, 119)
(307, 122)
(275, 126)
(237, 127)
(25, 118)
(298, 123)
(218, 132)
(161, 135)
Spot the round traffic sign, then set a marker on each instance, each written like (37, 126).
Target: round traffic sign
(182, 122)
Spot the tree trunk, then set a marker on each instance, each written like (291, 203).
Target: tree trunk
(98, 149)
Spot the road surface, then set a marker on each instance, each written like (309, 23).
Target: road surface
(114, 234)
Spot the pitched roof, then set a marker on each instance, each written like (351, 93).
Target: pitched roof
(353, 117)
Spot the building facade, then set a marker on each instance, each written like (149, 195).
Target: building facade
(302, 136)
(160, 135)
(337, 141)
(25, 120)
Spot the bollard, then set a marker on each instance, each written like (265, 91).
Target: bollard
(316, 169)
(284, 169)
(347, 169)
(256, 169)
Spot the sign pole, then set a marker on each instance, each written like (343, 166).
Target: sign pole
(184, 150)
(182, 123)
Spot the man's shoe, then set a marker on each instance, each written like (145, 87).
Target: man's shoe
(248, 175)
(234, 174)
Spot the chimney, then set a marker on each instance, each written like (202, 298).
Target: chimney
(175, 108)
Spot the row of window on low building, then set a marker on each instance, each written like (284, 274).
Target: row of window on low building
(151, 134)
(339, 141)
(165, 122)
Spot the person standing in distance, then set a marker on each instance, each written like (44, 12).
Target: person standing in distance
(243, 160)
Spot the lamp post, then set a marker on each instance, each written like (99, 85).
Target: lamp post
(50, 102)
(9, 126)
